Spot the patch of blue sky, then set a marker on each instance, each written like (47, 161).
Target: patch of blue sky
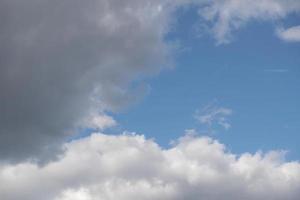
(257, 76)
(245, 75)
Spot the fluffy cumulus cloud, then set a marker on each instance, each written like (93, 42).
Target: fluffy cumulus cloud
(132, 167)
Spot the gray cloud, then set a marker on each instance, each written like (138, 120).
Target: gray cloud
(132, 167)
(64, 61)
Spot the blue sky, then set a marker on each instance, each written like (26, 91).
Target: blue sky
(257, 76)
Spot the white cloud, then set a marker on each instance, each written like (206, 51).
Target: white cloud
(291, 34)
(213, 115)
(229, 15)
(98, 121)
(132, 167)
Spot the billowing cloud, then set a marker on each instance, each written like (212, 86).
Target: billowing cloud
(132, 167)
(291, 34)
(66, 62)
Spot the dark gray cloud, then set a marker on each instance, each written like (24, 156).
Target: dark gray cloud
(62, 60)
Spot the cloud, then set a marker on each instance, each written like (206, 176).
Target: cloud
(99, 122)
(291, 34)
(62, 62)
(213, 115)
(276, 70)
(132, 167)
(65, 62)
(229, 15)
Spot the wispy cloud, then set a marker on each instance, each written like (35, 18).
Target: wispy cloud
(213, 115)
(228, 16)
(276, 70)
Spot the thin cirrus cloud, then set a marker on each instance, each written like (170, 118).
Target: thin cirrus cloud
(213, 116)
(228, 16)
(63, 63)
(131, 167)
(275, 70)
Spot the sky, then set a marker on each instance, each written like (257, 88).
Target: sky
(256, 76)
(149, 99)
